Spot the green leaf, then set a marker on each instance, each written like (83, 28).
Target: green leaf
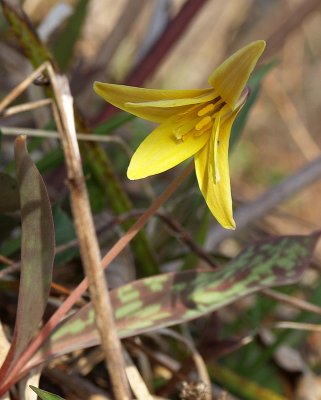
(37, 253)
(173, 298)
(44, 395)
(64, 232)
(24, 31)
(113, 123)
(9, 199)
(63, 49)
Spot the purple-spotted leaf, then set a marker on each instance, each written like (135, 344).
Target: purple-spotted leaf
(9, 198)
(172, 298)
(37, 253)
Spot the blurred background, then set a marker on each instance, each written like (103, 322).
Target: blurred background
(169, 44)
(108, 39)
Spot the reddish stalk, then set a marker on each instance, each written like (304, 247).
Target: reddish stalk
(15, 374)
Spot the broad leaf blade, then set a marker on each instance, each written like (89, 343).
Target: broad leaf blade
(37, 252)
(44, 395)
(173, 298)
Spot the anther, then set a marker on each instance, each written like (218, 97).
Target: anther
(203, 122)
(203, 111)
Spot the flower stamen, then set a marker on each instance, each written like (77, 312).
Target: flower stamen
(203, 122)
(205, 110)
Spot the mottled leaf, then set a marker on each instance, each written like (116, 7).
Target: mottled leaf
(9, 198)
(44, 395)
(37, 252)
(26, 34)
(173, 298)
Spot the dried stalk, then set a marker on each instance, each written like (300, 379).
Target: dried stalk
(26, 107)
(88, 243)
(302, 326)
(19, 370)
(16, 92)
(88, 137)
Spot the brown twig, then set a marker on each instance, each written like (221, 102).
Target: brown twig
(132, 232)
(303, 326)
(18, 370)
(22, 87)
(6, 260)
(11, 269)
(181, 233)
(88, 243)
(32, 105)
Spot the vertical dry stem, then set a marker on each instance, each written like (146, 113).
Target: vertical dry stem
(89, 249)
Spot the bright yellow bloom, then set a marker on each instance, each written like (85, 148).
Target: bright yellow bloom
(192, 123)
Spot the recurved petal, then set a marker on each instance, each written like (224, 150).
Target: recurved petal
(205, 96)
(161, 151)
(126, 97)
(217, 195)
(230, 78)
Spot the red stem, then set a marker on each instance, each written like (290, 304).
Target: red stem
(15, 373)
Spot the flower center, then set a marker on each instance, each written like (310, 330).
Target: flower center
(197, 120)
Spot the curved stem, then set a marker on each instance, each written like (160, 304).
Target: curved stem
(82, 287)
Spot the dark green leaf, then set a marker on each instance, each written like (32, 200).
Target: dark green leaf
(63, 49)
(113, 123)
(64, 232)
(7, 223)
(44, 395)
(37, 253)
(173, 298)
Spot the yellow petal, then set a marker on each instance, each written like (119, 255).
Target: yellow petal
(230, 78)
(161, 151)
(125, 97)
(207, 95)
(217, 195)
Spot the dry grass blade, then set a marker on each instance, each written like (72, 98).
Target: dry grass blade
(16, 92)
(292, 301)
(137, 384)
(298, 326)
(200, 365)
(90, 137)
(26, 107)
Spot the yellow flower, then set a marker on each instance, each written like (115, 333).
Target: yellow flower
(192, 123)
